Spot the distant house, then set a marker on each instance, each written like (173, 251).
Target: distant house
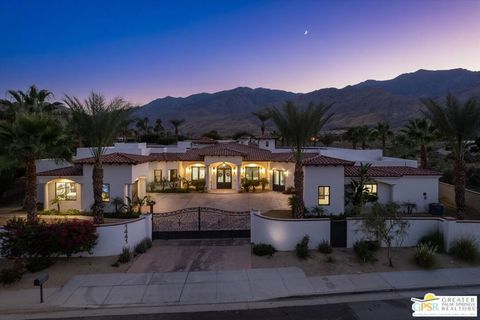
(130, 169)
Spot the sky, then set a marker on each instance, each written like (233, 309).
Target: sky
(143, 50)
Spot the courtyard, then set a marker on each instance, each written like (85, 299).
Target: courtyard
(231, 201)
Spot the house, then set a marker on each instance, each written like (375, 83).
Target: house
(130, 169)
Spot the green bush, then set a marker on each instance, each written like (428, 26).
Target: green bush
(74, 212)
(125, 256)
(148, 242)
(465, 249)
(122, 215)
(143, 246)
(302, 248)
(366, 250)
(435, 238)
(69, 212)
(325, 247)
(263, 249)
(425, 254)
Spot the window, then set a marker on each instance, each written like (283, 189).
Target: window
(66, 191)
(323, 196)
(252, 173)
(106, 192)
(172, 175)
(198, 173)
(157, 176)
(279, 177)
(370, 188)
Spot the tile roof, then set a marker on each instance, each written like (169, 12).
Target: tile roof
(391, 172)
(289, 156)
(326, 161)
(75, 170)
(118, 158)
(167, 156)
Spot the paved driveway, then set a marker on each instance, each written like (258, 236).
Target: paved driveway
(232, 201)
(194, 255)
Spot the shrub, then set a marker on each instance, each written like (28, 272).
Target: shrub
(148, 242)
(325, 247)
(365, 250)
(12, 274)
(74, 212)
(464, 249)
(330, 259)
(289, 190)
(302, 248)
(143, 246)
(292, 202)
(425, 254)
(435, 238)
(39, 243)
(263, 249)
(125, 256)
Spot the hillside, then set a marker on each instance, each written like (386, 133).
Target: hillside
(368, 102)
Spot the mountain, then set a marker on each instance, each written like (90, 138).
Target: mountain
(368, 102)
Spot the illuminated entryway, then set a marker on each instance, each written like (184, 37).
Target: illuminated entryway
(224, 176)
(278, 180)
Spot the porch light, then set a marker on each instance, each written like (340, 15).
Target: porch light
(262, 170)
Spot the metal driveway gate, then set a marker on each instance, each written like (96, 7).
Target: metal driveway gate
(201, 222)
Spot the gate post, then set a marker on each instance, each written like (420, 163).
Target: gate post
(199, 222)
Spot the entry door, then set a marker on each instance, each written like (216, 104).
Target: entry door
(224, 178)
(278, 180)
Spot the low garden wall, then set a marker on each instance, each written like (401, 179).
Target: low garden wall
(112, 238)
(284, 234)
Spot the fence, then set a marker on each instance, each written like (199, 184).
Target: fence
(446, 194)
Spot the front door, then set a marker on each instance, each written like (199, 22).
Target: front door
(224, 177)
(278, 180)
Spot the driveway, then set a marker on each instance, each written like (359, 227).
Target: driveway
(194, 255)
(230, 201)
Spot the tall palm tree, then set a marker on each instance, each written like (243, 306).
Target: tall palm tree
(382, 132)
(365, 134)
(297, 125)
(98, 123)
(158, 127)
(457, 123)
(352, 136)
(31, 130)
(176, 123)
(422, 132)
(262, 116)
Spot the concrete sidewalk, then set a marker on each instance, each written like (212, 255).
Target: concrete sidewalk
(213, 287)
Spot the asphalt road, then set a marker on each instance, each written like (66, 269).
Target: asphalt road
(371, 310)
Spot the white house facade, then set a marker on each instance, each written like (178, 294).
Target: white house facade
(134, 169)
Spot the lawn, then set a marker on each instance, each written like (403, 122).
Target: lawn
(346, 262)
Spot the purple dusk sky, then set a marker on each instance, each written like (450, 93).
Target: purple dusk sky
(144, 50)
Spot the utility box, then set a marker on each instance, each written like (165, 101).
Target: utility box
(435, 209)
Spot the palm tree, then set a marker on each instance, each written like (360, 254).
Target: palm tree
(457, 123)
(297, 125)
(263, 116)
(31, 130)
(327, 139)
(352, 136)
(98, 123)
(176, 123)
(382, 132)
(422, 132)
(364, 135)
(158, 127)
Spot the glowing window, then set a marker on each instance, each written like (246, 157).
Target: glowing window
(106, 192)
(66, 191)
(198, 173)
(370, 188)
(323, 196)
(252, 173)
(157, 175)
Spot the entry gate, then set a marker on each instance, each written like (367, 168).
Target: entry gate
(201, 222)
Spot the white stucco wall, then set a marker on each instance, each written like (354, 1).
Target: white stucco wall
(112, 238)
(324, 176)
(284, 234)
(411, 189)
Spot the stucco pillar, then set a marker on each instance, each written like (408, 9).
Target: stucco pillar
(46, 204)
(207, 177)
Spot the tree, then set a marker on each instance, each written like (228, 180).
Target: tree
(98, 123)
(327, 139)
(297, 125)
(262, 116)
(158, 128)
(382, 132)
(385, 225)
(32, 130)
(176, 123)
(422, 132)
(457, 123)
(352, 136)
(212, 134)
(356, 191)
(364, 135)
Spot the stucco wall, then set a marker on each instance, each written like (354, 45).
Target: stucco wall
(113, 238)
(411, 189)
(285, 234)
(324, 176)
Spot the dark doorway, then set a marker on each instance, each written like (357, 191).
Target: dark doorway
(224, 177)
(338, 233)
(278, 180)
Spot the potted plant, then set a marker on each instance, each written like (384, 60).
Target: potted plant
(264, 183)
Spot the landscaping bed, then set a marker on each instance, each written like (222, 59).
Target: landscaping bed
(346, 262)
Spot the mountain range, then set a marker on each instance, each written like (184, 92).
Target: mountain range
(368, 102)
